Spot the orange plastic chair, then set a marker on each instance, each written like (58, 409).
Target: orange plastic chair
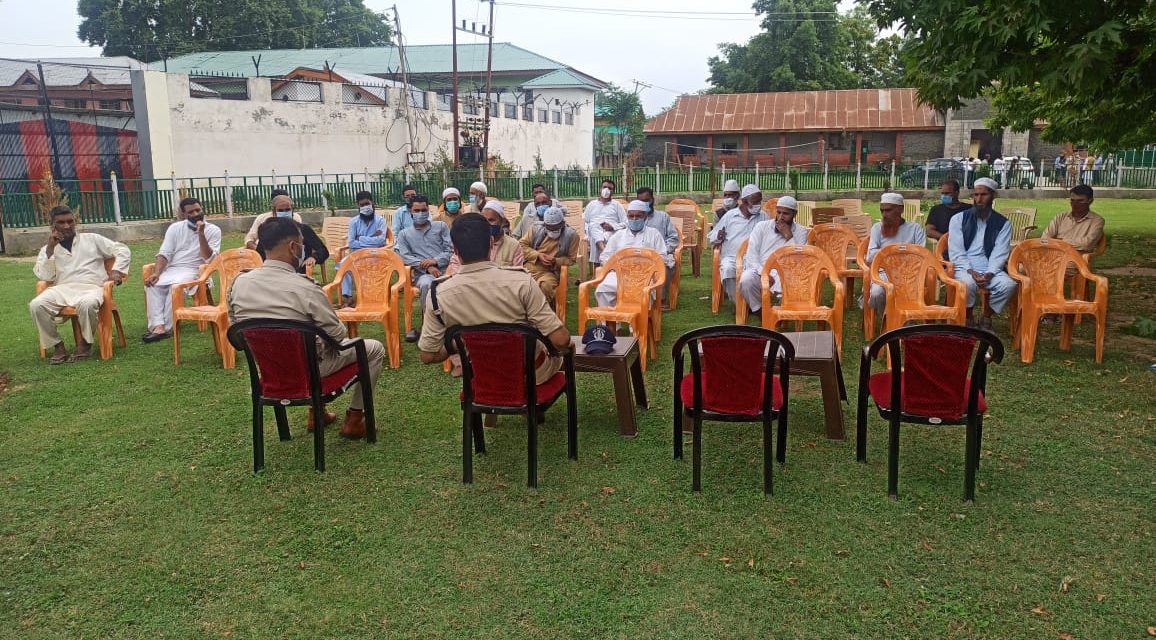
(108, 316)
(560, 293)
(716, 287)
(694, 228)
(1040, 267)
(907, 267)
(227, 265)
(1077, 283)
(641, 274)
(202, 296)
(802, 269)
(374, 272)
(850, 206)
(840, 244)
(676, 278)
(574, 212)
(334, 233)
(825, 215)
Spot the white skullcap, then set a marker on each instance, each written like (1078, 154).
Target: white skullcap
(891, 198)
(451, 191)
(986, 182)
(479, 186)
(638, 205)
(554, 215)
(731, 185)
(788, 202)
(494, 205)
(749, 189)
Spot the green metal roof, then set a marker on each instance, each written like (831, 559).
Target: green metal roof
(562, 78)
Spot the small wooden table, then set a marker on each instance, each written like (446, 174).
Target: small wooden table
(624, 365)
(816, 355)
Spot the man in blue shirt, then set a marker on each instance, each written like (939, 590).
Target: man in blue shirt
(402, 216)
(425, 248)
(366, 231)
(978, 245)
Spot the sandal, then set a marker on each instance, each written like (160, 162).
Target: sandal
(79, 357)
(59, 358)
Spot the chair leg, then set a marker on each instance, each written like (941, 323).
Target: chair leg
(119, 329)
(782, 444)
(970, 463)
(176, 342)
(768, 456)
(893, 457)
(366, 387)
(318, 437)
(228, 353)
(571, 419)
(467, 449)
(282, 422)
(696, 455)
(679, 417)
(1066, 326)
(258, 436)
(532, 447)
(861, 424)
(1029, 330)
(1101, 327)
(479, 434)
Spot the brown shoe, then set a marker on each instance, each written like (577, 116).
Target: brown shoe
(353, 428)
(330, 418)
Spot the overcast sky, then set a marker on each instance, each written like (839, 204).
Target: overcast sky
(668, 53)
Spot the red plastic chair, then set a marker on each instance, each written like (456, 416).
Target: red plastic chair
(929, 383)
(731, 380)
(284, 371)
(490, 352)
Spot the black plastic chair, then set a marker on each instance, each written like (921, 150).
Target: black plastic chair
(284, 371)
(732, 380)
(491, 354)
(929, 383)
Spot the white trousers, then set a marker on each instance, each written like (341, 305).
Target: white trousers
(46, 306)
(160, 297)
(1001, 288)
(751, 287)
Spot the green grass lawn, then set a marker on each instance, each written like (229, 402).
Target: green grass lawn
(128, 508)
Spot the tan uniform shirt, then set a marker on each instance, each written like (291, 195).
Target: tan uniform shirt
(1083, 234)
(276, 291)
(506, 252)
(481, 293)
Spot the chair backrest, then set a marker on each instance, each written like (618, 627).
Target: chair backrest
(687, 211)
(802, 269)
(574, 207)
(741, 255)
(490, 352)
(861, 224)
(912, 210)
(1022, 220)
(687, 201)
(743, 358)
(929, 368)
(1045, 262)
(373, 272)
(803, 214)
(838, 241)
(716, 204)
(511, 211)
(825, 215)
(850, 206)
(335, 232)
(282, 356)
(229, 264)
(906, 267)
(637, 270)
(622, 202)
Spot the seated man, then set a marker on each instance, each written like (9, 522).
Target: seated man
(661, 222)
(637, 235)
(75, 263)
(940, 216)
(402, 218)
(730, 199)
(534, 212)
(891, 229)
(531, 206)
(451, 206)
(735, 227)
(979, 245)
(189, 244)
(1080, 227)
(548, 246)
(479, 194)
(505, 251)
(366, 231)
(766, 238)
(481, 293)
(426, 248)
(278, 292)
(602, 217)
(315, 250)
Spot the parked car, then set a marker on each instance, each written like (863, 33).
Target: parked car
(1023, 176)
(936, 171)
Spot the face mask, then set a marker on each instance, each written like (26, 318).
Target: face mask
(284, 214)
(541, 210)
(366, 211)
(553, 235)
(729, 203)
(756, 209)
(473, 199)
(420, 217)
(193, 221)
(605, 192)
(452, 206)
(945, 199)
(635, 224)
(495, 231)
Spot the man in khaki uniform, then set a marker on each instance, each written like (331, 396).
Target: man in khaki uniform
(547, 246)
(278, 292)
(481, 293)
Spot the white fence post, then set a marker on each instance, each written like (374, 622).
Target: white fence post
(623, 185)
(228, 194)
(324, 183)
(482, 174)
(690, 179)
(756, 173)
(657, 181)
(115, 197)
(787, 182)
(174, 192)
(824, 176)
(555, 179)
(588, 172)
(520, 186)
(1119, 175)
(926, 173)
(859, 176)
(724, 177)
(365, 178)
(274, 173)
(893, 176)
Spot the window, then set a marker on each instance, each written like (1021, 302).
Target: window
(569, 117)
(494, 110)
(528, 113)
(110, 105)
(511, 111)
(445, 101)
(543, 115)
(730, 147)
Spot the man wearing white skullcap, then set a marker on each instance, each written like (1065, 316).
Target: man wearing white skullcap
(504, 250)
(730, 198)
(451, 205)
(768, 237)
(734, 228)
(978, 245)
(636, 235)
(891, 229)
(548, 246)
(603, 217)
(534, 212)
(479, 193)
(402, 219)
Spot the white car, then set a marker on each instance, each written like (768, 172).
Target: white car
(1022, 176)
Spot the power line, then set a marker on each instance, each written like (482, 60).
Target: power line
(667, 11)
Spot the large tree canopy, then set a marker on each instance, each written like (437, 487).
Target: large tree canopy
(808, 45)
(152, 29)
(1086, 68)
(624, 110)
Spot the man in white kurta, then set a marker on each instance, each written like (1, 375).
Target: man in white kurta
(978, 246)
(75, 263)
(603, 217)
(636, 235)
(189, 244)
(767, 238)
(735, 227)
(892, 229)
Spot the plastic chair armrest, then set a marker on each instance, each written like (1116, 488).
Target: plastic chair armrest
(330, 288)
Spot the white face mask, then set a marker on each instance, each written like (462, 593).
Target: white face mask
(605, 192)
(366, 211)
(729, 203)
(554, 235)
(756, 209)
(283, 214)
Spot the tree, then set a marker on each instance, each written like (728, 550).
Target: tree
(808, 45)
(1084, 68)
(153, 29)
(622, 109)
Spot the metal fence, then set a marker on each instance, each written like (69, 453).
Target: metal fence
(295, 90)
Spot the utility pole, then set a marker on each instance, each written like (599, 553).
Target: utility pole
(409, 124)
(468, 136)
(454, 106)
(49, 124)
(489, 81)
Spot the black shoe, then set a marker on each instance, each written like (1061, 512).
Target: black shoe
(156, 337)
(411, 335)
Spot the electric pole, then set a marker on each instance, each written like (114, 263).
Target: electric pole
(454, 106)
(489, 81)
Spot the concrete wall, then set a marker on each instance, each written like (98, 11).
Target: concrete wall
(921, 145)
(1038, 147)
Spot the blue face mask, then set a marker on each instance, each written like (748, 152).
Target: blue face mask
(420, 217)
(945, 199)
(452, 206)
(495, 231)
(473, 199)
(541, 210)
(636, 224)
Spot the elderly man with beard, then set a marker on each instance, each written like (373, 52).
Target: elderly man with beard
(767, 237)
(979, 245)
(891, 229)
